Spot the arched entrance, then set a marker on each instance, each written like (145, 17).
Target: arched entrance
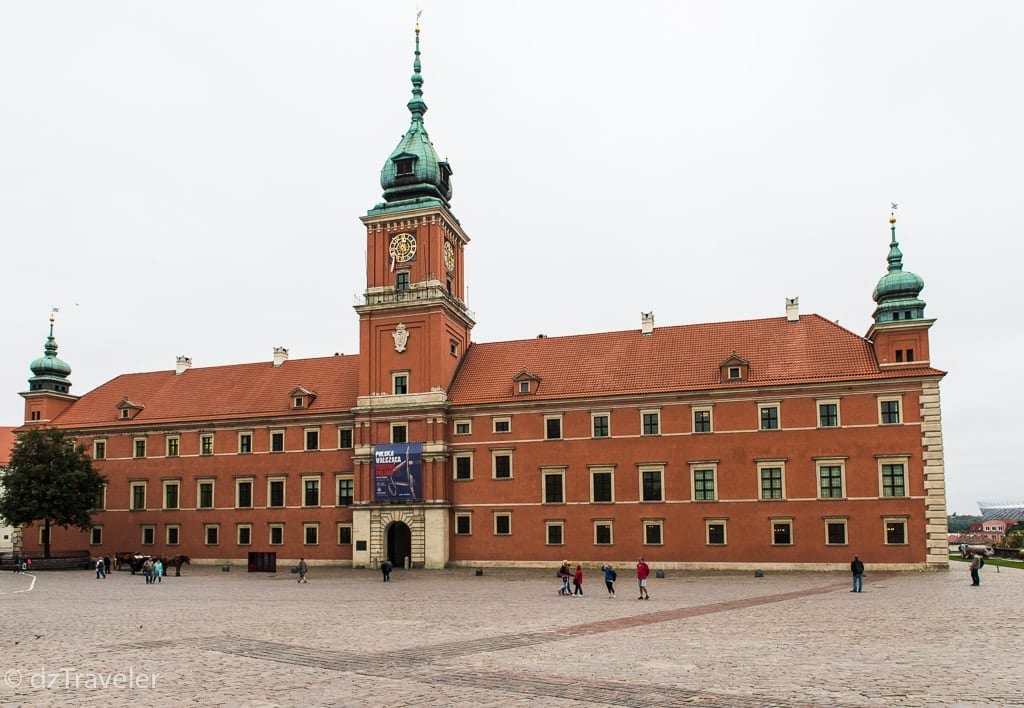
(399, 543)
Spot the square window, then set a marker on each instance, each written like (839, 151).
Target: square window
(344, 535)
(554, 487)
(895, 532)
(148, 535)
(502, 465)
(894, 483)
(311, 533)
(399, 433)
(600, 425)
(463, 524)
(553, 428)
(782, 533)
(704, 485)
(346, 491)
(652, 533)
(140, 447)
(702, 420)
(173, 446)
(828, 415)
(601, 486)
(275, 493)
(603, 533)
(463, 466)
(311, 492)
(313, 439)
(171, 495)
(715, 532)
(276, 535)
(96, 535)
(243, 494)
(770, 417)
(138, 490)
(173, 535)
(502, 425)
(206, 495)
(890, 410)
(345, 438)
(99, 450)
(554, 533)
(502, 524)
(650, 486)
(212, 532)
(205, 444)
(651, 422)
(835, 533)
(771, 482)
(734, 372)
(244, 535)
(277, 441)
(463, 427)
(830, 479)
(245, 443)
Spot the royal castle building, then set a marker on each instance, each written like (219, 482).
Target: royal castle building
(786, 442)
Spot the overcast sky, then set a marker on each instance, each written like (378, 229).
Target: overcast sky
(187, 177)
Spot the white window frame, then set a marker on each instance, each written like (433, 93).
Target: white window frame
(270, 442)
(206, 534)
(561, 432)
(213, 492)
(342, 429)
(503, 514)
(696, 467)
(694, 410)
(904, 521)
(203, 437)
(548, 525)
(828, 402)
(270, 534)
(97, 445)
(252, 492)
(610, 471)
(399, 377)
(135, 447)
(643, 469)
(594, 415)
(238, 534)
(546, 472)
(656, 412)
(653, 523)
(338, 478)
(338, 532)
(167, 534)
(242, 435)
(770, 465)
(889, 399)
(131, 496)
(455, 466)
(504, 452)
(708, 523)
(305, 439)
(788, 521)
(902, 460)
(101, 502)
(151, 529)
(163, 497)
(400, 425)
(319, 491)
(831, 462)
(495, 421)
(96, 535)
(172, 441)
(469, 520)
(768, 405)
(600, 523)
(283, 479)
(841, 520)
(467, 423)
(315, 528)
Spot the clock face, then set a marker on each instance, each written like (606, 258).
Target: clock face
(403, 247)
(449, 255)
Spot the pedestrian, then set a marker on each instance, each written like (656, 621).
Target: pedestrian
(609, 579)
(563, 573)
(577, 582)
(147, 570)
(976, 563)
(303, 569)
(158, 570)
(17, 564)
(101, 573)
(642, 571)
(857, 569)
(106, 565)
(385, 569)
(27, 566)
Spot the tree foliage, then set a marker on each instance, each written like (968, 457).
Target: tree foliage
(48, 479)
(961, 523)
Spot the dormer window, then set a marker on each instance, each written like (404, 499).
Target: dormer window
(734, 368)
(405, 166)
(299, 402)
(301, 398)
(128, 410)
(125, 414)
(525, 383)
(735, 372)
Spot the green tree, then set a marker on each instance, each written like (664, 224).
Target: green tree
(48, 479)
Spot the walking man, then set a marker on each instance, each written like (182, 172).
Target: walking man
(857, 568)
(976, 563)
(642, 571)
(303, 569)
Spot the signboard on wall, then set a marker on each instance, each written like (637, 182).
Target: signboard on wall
(398, 472)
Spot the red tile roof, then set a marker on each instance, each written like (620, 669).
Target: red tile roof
(681, 358)
(220, 392)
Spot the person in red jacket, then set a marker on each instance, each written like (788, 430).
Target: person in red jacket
(642, 571)
(577, 582)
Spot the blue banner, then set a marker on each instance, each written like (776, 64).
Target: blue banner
(398, 472)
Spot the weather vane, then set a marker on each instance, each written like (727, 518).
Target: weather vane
(895, 206)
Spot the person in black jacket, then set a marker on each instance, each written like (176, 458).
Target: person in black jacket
(857, 568)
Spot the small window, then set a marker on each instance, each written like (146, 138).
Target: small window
(313, 439)
(212, 533)
(148, 535)
(463, 466)
(463, 427)
(554, 487)
(173, 445)
(463, 524)
(652, 533)
(298, 402)
(828, 414)
(205, 444)
(140, 447)
(205, 495)
(770, 416)
(651, 422)
(894, 480)
(276, 534)
(553, 428)
(830, 479)
(502, 524)
(704, 484)
(277, 441)
(400, 384)
(782, 532)
(896, 532)
(171, 495)
(602, 488)
(344, 535)
(554, 533)
(243, 493)
(402, 280)
(835, 532)
(702, 420)
(125, 414)
(715, 532)
(99, 450)
(346, 491)
(735, 372)
(502, 425)
(311, 534)
(404, 166)
(453, 346)
(96, 536)
(399, 433)
(502, 462)
(173, 535)
(275, 493)
(890, 411)
(138, 490)
(244, 443)
(650, 486)
(600, 425)
(345, 438)
(244, 534)
(311, 492)
(771, 481)
(603, 533)
(524, 387)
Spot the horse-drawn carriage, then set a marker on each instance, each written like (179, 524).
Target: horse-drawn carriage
(134, 561)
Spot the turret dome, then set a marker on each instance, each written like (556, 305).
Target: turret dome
(897, 291)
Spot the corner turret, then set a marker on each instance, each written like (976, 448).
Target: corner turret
(49, 387)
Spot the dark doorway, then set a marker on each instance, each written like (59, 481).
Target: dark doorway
(399, 543)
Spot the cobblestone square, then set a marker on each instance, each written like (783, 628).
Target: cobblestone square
(506, 638)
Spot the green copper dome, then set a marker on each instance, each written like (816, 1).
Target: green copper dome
(897, 292)
(413, 175)
(50, 373)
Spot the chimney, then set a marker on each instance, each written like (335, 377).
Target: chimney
(280, 356)
(792, 309)
(182, 364)
(647, 323)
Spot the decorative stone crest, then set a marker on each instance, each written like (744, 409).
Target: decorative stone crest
(401, 337)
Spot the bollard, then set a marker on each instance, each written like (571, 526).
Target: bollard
(225, 568)
(479, 572)
(659, 574)
(758, 573)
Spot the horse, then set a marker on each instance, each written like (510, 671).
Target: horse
(176, 562)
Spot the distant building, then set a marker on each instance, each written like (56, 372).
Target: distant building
(993, 530)
(785, 442)
(1002, 510)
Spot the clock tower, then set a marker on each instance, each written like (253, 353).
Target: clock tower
(414, 328)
